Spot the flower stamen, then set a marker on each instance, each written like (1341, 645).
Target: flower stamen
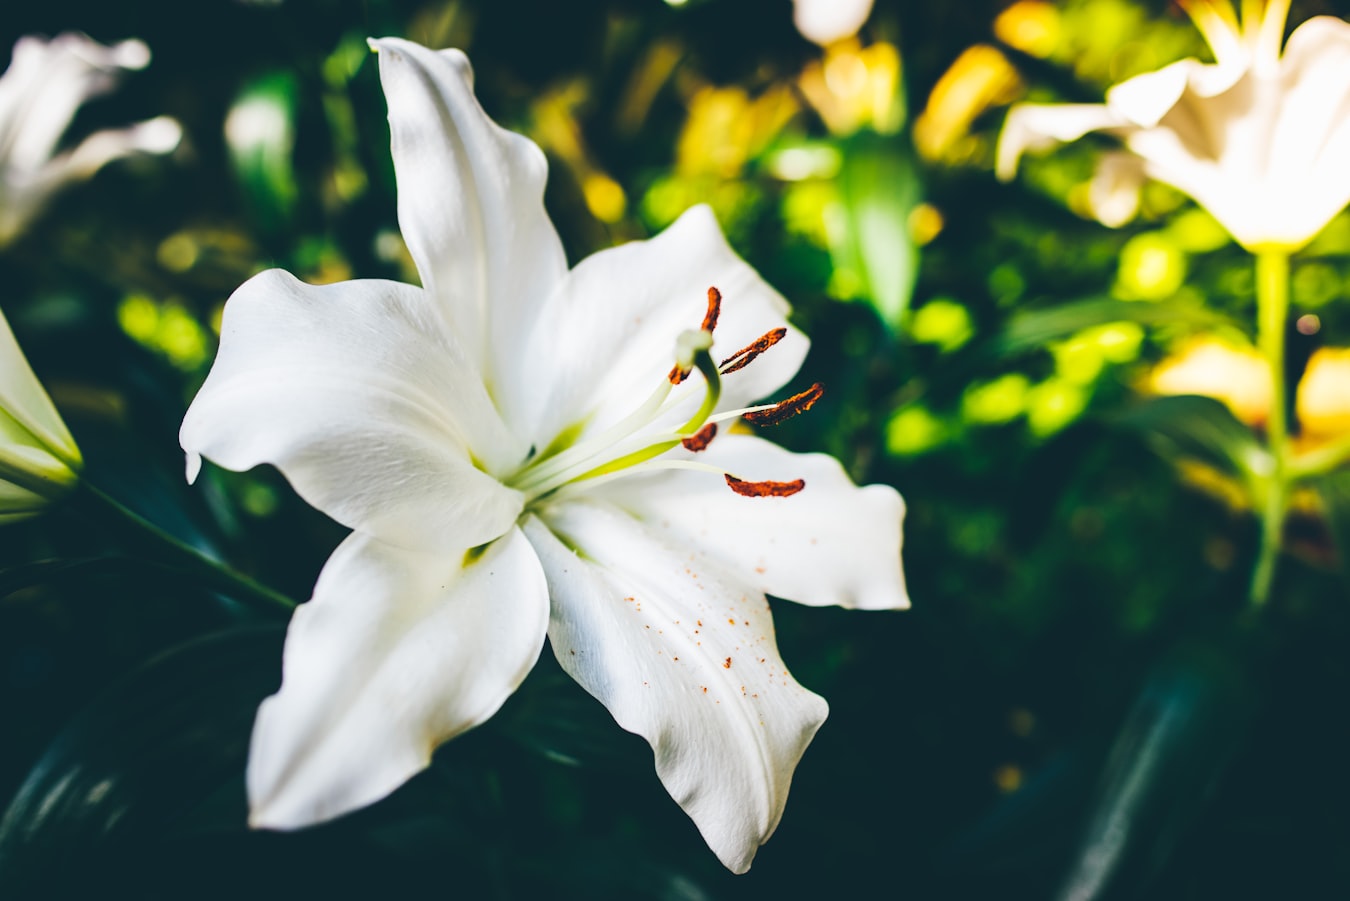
(700, 440)
(764, 489)
(714, 310)
(786, 409)
(746, 355)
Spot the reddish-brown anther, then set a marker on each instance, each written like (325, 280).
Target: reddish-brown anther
(746, 355)
(714, 310)
(764, 489)
(701, 439)
(794, 405)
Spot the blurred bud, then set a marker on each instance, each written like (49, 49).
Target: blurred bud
(39, 461)
(827, 21)
(44, 87)
(856, 87)
(981, 78)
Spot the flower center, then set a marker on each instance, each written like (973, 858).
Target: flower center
(637, 443)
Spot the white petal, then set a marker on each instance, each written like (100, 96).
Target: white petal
(607, 338)
(47, 82)
(1309, 181)
(470, 201)
(827, 21)
(1036, 126)
(1146, 99)
(685, 658)
(1114, 191)
(397, 652)
(27, 404)
(356, 393)
(28, 191)
(831, 543)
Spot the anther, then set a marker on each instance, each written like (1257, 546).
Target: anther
(714, 309)
(746, 355)
(783, 410)
(764, 489)
(701, 439)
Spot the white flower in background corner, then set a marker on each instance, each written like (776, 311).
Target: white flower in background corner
(39, 461)
(826, 21)
(524, 450)
(1259, 139)
(44, 87)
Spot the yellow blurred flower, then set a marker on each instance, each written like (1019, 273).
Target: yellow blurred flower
(855, 87)
(979, 79)
(1323, 399)
(1221, 369)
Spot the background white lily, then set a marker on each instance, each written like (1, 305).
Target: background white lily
(39, 461)
(827, 21)
(504, 442)
(1258, 138)
(44, 87)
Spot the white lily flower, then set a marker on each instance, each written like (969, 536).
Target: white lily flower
(39, 461)
(826, 21)
(44, 87)
(513, 452)
(1258, 138)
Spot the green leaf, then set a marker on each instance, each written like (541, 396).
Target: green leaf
(1189, 426)
(1334, 490)
(1167, 757)
(128, 769)
(1032, 329)
(879, 187)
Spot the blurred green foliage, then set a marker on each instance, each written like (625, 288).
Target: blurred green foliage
(986, 348)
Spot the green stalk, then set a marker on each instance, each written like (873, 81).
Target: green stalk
(178, 554)
(1272, 312)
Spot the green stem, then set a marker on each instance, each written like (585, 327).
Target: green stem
(1272, 312)
(180, 555)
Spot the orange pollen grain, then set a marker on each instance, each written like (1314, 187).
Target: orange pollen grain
(726, 664)
(764, 489)
(678, 375)
(746, 355)
(784, 410)
(700, 440)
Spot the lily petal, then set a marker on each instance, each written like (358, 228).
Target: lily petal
(46, 84)
(470, 204)
(833, 543)
(606, 338)
(685, 658)
(1039, 126)
(397, 652)
(359, 396)
(1114, 191)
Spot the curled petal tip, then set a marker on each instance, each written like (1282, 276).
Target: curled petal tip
(131, 54)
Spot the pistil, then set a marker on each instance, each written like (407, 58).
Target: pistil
(623, 449)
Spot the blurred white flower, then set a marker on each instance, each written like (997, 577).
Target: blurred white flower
(518, 457)
(827, 21)
(40, 93)
(39, 461)
(1258, 138)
